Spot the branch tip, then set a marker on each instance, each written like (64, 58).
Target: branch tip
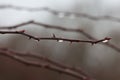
(22, 31)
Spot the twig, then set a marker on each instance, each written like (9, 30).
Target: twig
(22, 32)
(51, 65)
(28, 54)
(48, 26)
(57, 13)
(60, 28)
(16, 26)
(24, 8)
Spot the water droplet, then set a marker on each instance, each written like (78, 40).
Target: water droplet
(105, 41)
(61, 15)
(60, 40)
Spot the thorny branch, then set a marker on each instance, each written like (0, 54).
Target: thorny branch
(51, 65)
(22, 32)
(59, 28)
(63, 13)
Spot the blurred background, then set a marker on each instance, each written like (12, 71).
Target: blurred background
(99, 61)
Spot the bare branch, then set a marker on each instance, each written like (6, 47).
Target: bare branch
(16, 26)
(48, 26)
(51, 65)
(57, 13)
(22, 32)
(62, 29)
(24, 8)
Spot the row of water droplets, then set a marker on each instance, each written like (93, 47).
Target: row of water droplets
(63, 15)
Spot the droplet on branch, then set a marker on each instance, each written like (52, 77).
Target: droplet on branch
(105, 41)
(60, 40)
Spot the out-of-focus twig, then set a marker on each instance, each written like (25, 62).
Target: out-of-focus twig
(61, 13)
(22, 32)
(47, 26)
(47, 63)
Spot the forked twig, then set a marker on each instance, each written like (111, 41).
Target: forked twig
(48, 64)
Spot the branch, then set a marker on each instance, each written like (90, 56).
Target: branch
(47, 63)
(47, 26)
(22, 32)
(58, 27)
(62, 29)
(62, 13)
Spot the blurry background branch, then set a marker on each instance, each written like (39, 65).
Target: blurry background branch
(62, 13)
(48, 26)
(47, 63)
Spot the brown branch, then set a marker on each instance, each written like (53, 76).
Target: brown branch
(22, 32)
(57, 13)
(48, 26)
(62, 29)
(23, 8)
(17, 25)
(51, 65)
(28, 54)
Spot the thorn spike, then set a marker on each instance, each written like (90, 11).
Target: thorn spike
(54, 36)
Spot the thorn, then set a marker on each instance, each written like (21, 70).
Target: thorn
(92, 43)
(30, 37)
(38, 39)
(54, 36)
